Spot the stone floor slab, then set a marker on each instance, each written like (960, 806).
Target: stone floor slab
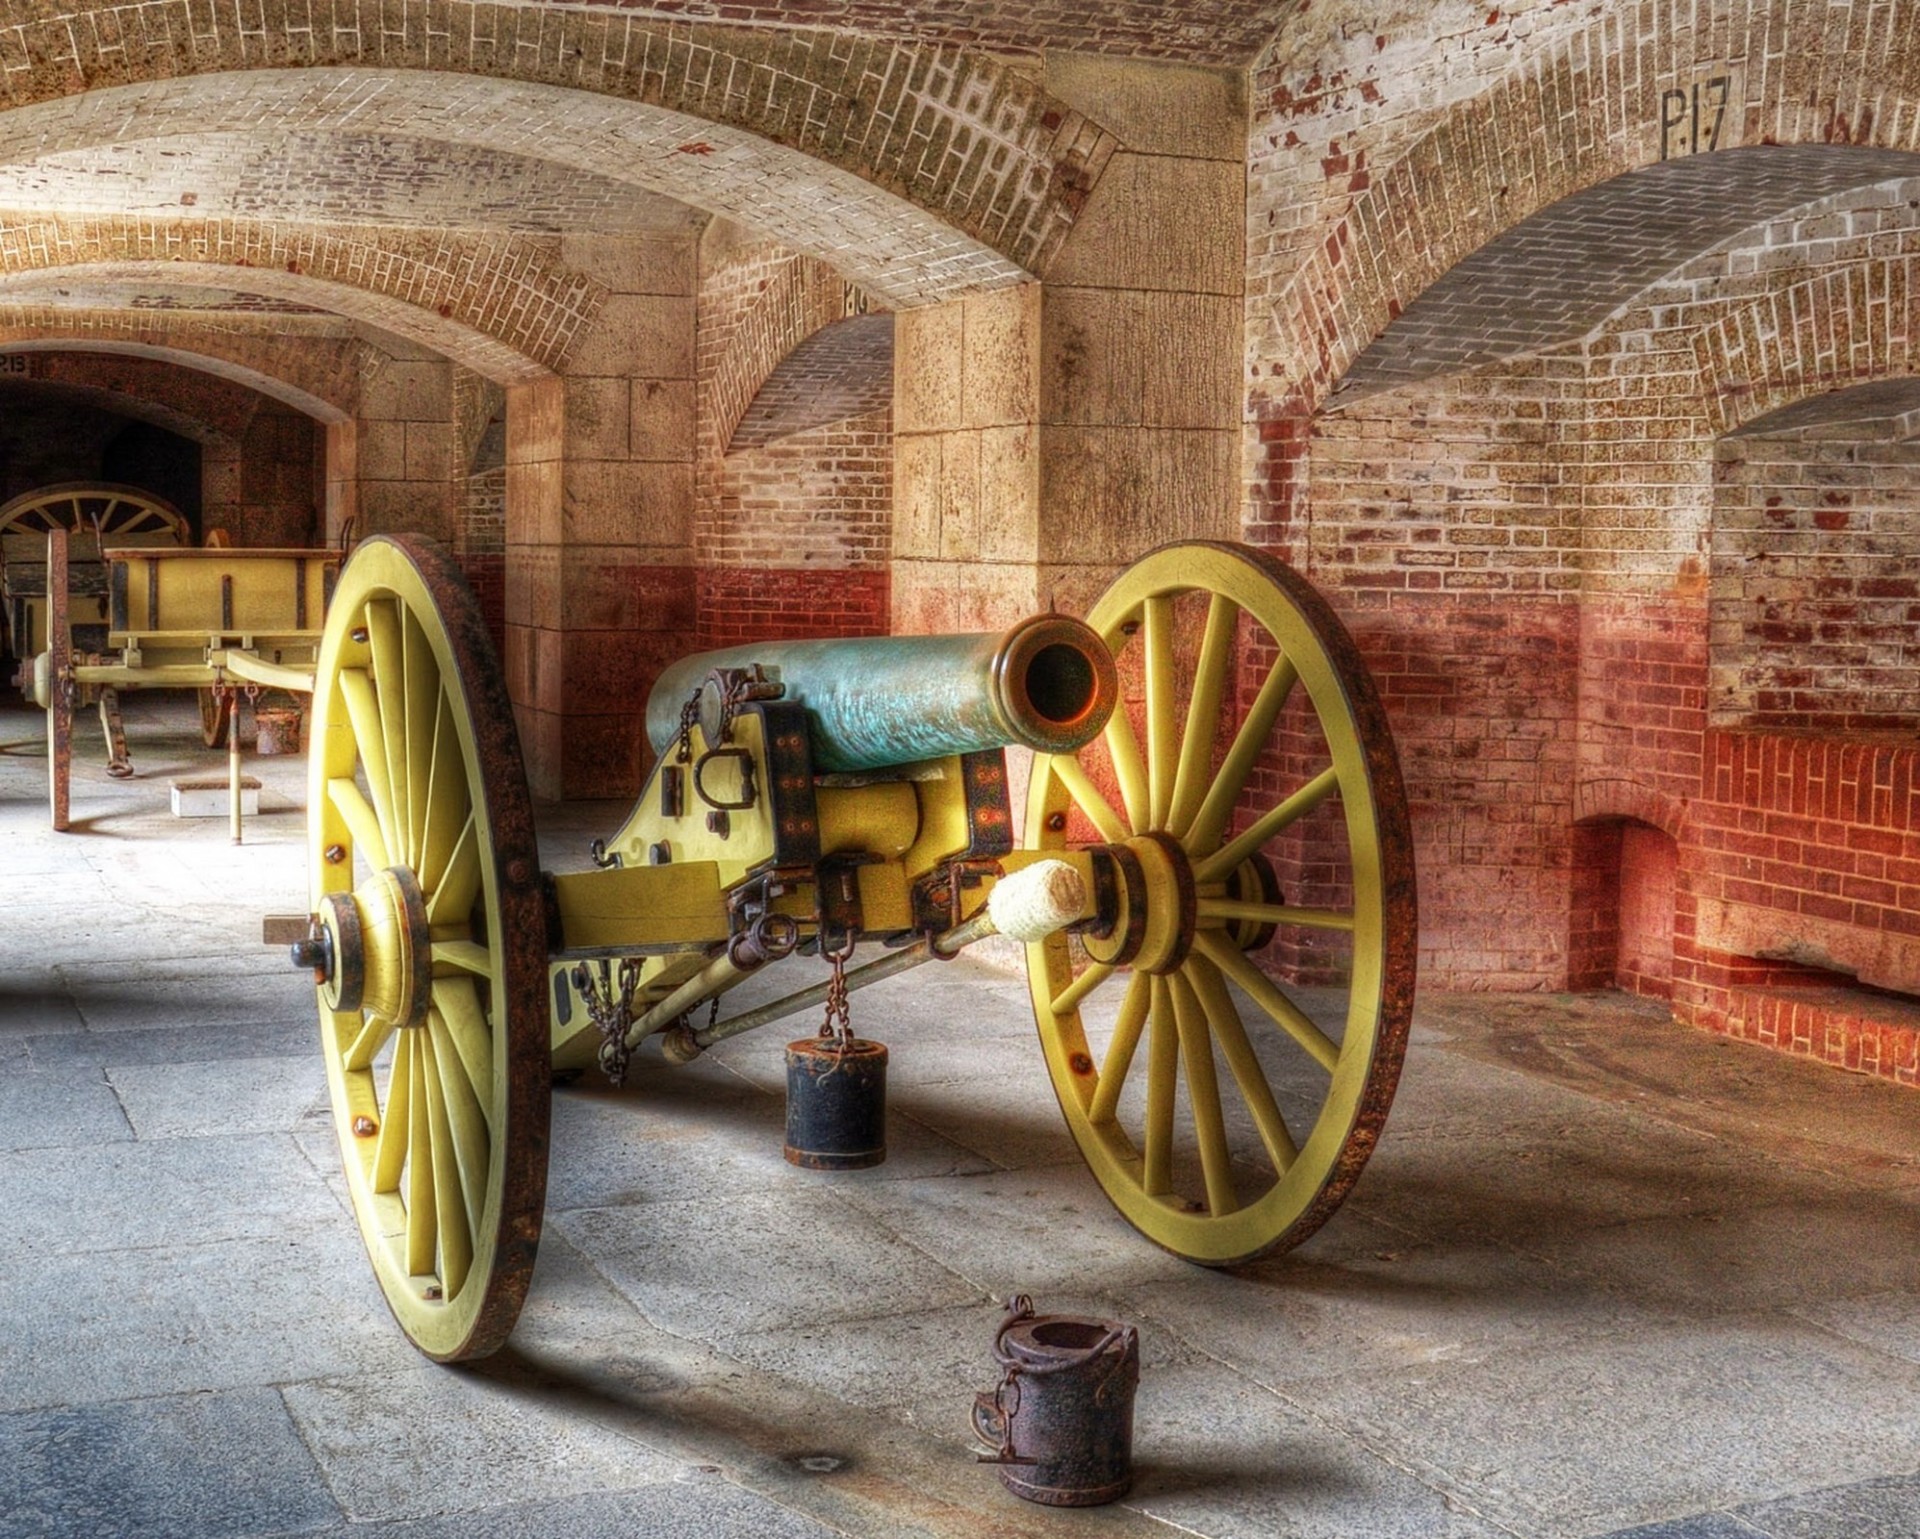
(138, 1196)
(219, 1097)
(179, 1319)
(58, 1109)
(226, 1466)
(739, 1263)
(423, 1441)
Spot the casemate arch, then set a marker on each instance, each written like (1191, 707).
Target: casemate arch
(921, 171)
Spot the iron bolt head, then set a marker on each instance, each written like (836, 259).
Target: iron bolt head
(358, 634)
(1056, 821)
(364, 1126)
(335, 853)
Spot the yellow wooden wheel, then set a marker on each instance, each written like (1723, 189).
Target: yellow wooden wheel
(1225, 1056)
(429, 947)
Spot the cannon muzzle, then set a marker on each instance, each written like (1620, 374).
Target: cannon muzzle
(874, 701)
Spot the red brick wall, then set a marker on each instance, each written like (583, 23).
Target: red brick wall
(1815, 590)
(793, 528)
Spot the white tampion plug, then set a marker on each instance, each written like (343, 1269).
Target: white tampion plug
(1032, 903)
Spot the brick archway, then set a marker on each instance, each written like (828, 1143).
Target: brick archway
(491, 304)
(1549, 131)
(922, 170)
(240, 367)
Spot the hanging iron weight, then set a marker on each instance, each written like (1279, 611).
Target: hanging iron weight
(1059, 1423)
(836, 1087)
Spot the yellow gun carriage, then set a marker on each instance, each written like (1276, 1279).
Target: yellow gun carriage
(1213, 814)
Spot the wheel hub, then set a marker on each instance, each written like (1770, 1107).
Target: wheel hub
(374, 952)
(1155, 906)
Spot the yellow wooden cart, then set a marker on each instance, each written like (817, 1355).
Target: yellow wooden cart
(222, 620)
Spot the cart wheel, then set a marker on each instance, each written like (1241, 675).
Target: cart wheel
(1226, 1114)
(426, 891)
(113, 511)
(216, 716)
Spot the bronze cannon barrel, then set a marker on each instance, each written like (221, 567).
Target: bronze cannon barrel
(873, 701)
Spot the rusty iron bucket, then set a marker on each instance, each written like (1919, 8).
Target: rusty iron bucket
(279, 728)
(836, 1103)
(1060, 1421)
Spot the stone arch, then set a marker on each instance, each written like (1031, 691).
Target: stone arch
(1576, 125)
(1826, 332)
(216, 428)
(492, 304)
(1624, 887)
(950, 164)
(1598, 799)
(845, 369)
(795, 300)
(240, 365)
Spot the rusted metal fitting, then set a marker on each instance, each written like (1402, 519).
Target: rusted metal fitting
(1059, 1424)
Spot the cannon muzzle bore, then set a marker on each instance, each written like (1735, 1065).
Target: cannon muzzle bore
(876, 701)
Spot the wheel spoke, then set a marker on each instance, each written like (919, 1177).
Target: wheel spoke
(453, 898)
(1163, 1069)
(1203, 710)
(1087, 798)
(458, 1004)
(1273, 913)
(391, 1152)
(366, 1044)
(1162, 740)
(1069, 998)
(371, 739)
(1231, 1034)
(422, 718)
(1261, 990)
(422, 1224)
(449, 1201)
(1124, 749)
(1203, 1096)
(464, 1116)
(1120, 1050)
(1211, 820)
(468, 956)
(363, 823)
(1269, 823)
(447, 799)
(388, 667)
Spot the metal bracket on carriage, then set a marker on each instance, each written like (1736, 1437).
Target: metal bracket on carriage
(939, 897)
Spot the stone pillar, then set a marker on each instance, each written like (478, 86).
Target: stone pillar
(536, 432)
(627, 569)
(600, 579)
(966, 462)
(1047, 435)
(1142, 328)
(405, 444)
(342, 479)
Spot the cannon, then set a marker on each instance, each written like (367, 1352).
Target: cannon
(1211, 890)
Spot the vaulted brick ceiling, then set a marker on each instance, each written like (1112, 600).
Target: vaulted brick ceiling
(1212, 32)
(1556, 276)
(1885, 410)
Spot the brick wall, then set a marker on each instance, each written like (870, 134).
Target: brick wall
(793, 523)
(1815, 598)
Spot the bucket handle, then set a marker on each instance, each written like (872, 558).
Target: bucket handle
(993, 1414)
(1020, 1308)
